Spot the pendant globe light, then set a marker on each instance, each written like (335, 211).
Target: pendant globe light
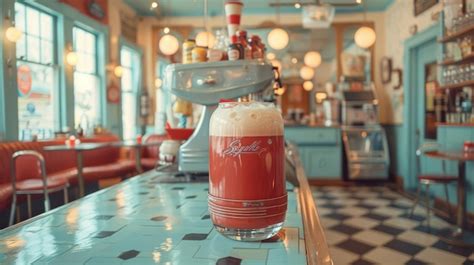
(312, 59)
(278, 38)
(205, 38)
(365, 36)
(168, 44)
(306, 73)
(308, 85)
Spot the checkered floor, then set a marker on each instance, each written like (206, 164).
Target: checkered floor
(371, 225)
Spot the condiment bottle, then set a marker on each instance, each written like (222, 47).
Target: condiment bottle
(199, 54)
(188, 47)
(235, 50)
(245, 44)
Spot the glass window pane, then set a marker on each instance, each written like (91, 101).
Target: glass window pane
(46, 52)
(127, 82)
(129, 115)
(32, 21)
(36, 101)
(20, 16)
(33, 48)
(90, 43)
(46, 27)
(87, 100)
(86, 63)
(125, 58)
(21, 48)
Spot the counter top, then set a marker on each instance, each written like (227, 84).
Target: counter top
(319, 125)
(147, 221)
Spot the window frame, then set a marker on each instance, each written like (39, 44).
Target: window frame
(54, 64)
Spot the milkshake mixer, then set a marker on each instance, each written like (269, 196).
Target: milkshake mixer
(206, 84)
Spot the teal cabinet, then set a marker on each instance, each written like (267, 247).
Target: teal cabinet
(320, 150)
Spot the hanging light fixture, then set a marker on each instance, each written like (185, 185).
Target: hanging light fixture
(312, 59)
(71, 56)
(306, 72)
(158, 82)
(168, 44)
(308, 85)
(12, 33)
(118, 71)
(278, 38)
(365, 36)
(205, 39)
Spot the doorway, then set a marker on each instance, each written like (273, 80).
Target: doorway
(422, 51)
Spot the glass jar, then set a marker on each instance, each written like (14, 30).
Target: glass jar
(247, 191)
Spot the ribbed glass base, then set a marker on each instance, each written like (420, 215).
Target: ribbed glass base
(250, 234)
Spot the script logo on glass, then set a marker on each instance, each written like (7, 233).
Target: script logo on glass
(236, 148)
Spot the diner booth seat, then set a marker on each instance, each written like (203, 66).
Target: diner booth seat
(99, 164)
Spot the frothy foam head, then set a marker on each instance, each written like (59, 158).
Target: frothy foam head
(246, 119)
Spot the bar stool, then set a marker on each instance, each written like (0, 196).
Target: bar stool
(428, 179)
(33, 180)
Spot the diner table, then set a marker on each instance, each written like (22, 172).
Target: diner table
(459, 235)
(159, 218)
(138, 147)
(78, 149)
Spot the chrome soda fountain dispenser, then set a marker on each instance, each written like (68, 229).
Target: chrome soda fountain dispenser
(206, 84)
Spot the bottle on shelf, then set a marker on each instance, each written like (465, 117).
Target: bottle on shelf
(235, 50)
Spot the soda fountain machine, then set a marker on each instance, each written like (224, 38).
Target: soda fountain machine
(365, 142)
(206, 84)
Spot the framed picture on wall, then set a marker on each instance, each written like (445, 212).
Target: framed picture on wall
(421, 6)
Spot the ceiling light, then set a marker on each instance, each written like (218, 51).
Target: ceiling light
(166, 30)
(297, 5)
(365, 37)
(359, 1)
(205, 39)
(294, 60)
(271, 56)
(168, 44)
(154, 5)
(306, 72)
(312, 59)
(278, 39)
(308, 85)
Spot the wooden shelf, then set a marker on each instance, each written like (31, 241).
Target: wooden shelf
(458, 85)
(455, 124)
(457, 35)
(465, 59)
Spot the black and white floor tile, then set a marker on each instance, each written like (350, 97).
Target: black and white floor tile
(372, 225)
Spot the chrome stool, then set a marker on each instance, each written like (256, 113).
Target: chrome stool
(34, 182)
(428, 179)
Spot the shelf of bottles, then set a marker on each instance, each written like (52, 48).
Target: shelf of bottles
(454, 97)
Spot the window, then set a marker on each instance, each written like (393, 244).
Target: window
(37, 73)
(87, 95)
(130, 61)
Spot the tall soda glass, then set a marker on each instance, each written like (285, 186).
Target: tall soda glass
(247, 193)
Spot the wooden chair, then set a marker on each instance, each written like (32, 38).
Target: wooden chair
(28, 177)
(429, 179)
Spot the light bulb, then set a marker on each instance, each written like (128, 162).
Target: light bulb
(118, 71)
(365, 37)
(294, 60)
(166, 30)
(158, 82)
(72, 58)
(168, 44)
(154, 5)
(312, 59)
(13, 34)
(297, 5)
(278, 39)
(308, 85)
(306, 72)
(205, 39)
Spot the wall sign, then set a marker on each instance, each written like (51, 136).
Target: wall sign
(113, 93)
(96, 9)
(421, 6)
(24, 80)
